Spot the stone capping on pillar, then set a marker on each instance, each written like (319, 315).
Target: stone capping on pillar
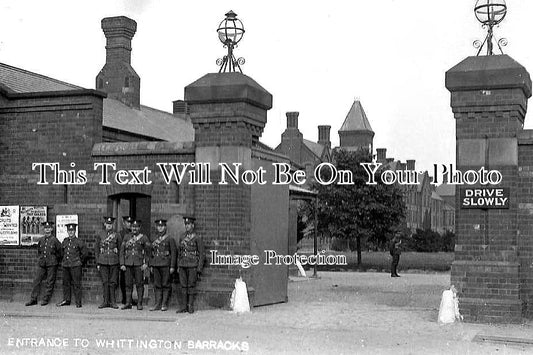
(488, 72)
(227, 88)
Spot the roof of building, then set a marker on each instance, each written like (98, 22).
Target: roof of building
(316, 148)
(261, 145)
(356, 119)
(436, 196)
(147, 121)
(22, 81)
(446, 189)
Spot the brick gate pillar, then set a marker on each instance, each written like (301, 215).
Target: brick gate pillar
(489, 100)
(229, 112)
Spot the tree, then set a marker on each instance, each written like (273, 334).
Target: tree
(358, 210)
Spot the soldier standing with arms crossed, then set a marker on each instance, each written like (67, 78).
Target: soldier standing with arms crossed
(49, 254)
(106, 251)
(163, 264)
(190, 264)
(74, 255)
(133, 256)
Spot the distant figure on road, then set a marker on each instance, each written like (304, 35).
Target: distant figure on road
(395, 252)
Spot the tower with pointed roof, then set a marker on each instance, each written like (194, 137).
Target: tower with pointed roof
(356, 132)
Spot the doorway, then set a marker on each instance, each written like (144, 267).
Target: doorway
(135, 205)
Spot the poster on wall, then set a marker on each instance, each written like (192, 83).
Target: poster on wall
(31, 218)
(9, 225)
(61, 222)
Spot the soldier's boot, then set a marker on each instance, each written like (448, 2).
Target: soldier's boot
(128, 300)
(182, 301)
(112, 298)
(166, 294)
(157, 305)
(105, 302)
(190, 303)
(140, 294)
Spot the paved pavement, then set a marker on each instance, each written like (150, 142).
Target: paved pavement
(339, 313)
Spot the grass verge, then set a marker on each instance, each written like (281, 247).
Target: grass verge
(381, 261)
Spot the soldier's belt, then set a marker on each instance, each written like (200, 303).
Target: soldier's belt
(187, 253)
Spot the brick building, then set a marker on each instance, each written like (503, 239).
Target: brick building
(49, 121)
(426, 209)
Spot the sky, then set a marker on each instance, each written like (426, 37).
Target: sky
(314, 57)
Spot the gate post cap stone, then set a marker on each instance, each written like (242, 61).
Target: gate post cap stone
(227, 87)
(488, 72)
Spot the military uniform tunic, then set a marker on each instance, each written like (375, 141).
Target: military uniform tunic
(74, 255)
(121, 273)
(191, 251)
(49, 251)
(134, 252)
(107, 248)
(163, 258)
(106, 251)
(190, 260)
(163, 252)
(49, 256)
(74, 252)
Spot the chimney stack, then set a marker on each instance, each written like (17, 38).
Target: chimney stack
(381, 155)
(292, 119)
(410, 164)
(324, 135)
(117, 78)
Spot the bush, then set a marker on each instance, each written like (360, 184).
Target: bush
(340, 244)
(429, 241)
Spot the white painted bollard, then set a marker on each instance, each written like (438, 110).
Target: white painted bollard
(239, 297)
(449, 307)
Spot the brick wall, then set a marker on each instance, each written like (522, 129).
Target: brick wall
(65, 129)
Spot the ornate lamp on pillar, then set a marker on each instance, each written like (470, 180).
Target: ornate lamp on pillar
(230, 32)
(490, 13)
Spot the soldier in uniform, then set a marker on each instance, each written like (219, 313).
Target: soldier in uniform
(395, 252)
(49, 255)
(74, 255)
(163, 264)
(190, 264)
(106, 251)
(126, 223)
(133, 257)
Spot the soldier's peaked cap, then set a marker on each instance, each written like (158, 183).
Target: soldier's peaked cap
(136, 222)
(188, 218)
(71, 226)
(109, 220)
(127, 219)
(161, 222)
(48, 224)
